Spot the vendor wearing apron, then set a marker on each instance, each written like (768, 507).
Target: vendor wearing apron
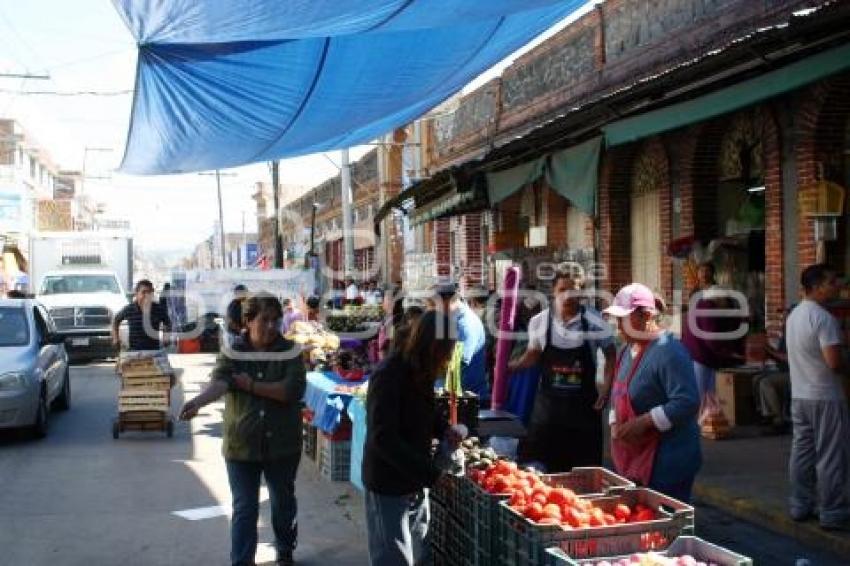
(654, 433)
(566, 427)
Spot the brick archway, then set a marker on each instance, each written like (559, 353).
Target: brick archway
(615, 189)
(654, 151)
(700, 178)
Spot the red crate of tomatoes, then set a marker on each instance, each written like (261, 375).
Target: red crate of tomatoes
(540, 517)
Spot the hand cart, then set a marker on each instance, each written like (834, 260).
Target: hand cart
(144, 402)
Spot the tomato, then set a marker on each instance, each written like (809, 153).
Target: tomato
(644, 515)
(622, 511)
(502, 484)
(549, 521)
(528, 492)
(517, 498)
(610, 519)
(562, 496)
(534, 511)
(597, 518)
(575, 517)
(552, 510)
(539, 497)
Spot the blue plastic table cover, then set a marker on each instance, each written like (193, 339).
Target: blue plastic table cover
(221, 83)
(327, 404)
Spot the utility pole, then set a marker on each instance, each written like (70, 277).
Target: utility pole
(278, 240)
(347, 236)
(218, 176)
(220, 219)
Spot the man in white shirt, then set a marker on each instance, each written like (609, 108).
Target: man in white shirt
(819, 411)
(352, 293)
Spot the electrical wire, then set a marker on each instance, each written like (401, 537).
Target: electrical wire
(66, 93)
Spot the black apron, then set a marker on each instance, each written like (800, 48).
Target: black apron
(565, 430)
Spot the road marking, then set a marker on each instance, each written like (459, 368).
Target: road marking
(213, 511)
(266, 552)
(200, 513)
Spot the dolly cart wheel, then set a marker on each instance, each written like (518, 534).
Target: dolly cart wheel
(115, 429)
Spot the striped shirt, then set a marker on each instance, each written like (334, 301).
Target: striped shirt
(139, 338)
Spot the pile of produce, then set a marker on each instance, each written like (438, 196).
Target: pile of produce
(313, 335)
(532, 498)
(354, 318)
(477, 457)
(652, 559)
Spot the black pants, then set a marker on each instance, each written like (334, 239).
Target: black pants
(563, 434)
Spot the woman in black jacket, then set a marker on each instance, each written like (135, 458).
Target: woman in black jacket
(402, 421)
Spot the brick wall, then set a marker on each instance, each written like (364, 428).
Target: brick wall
(442, 246)
(610, 47)
(614, 221)
(556, 220)
(774, 275)
(821, 122)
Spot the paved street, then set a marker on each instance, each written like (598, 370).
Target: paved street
(81, 498)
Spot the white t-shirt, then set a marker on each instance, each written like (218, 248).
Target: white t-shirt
(351, 292)
(809, 328)
(569, 335)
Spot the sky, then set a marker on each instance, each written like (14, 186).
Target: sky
(83, 45)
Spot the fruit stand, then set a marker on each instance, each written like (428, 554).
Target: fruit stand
(500, 514)
(144, 402)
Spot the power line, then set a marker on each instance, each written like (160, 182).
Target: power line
(66, 93)
(24, 76)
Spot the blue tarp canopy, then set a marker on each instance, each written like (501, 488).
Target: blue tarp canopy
(222, 83)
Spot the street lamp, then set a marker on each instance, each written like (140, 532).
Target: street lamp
(312, 252)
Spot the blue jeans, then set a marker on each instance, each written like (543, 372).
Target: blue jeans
(244, 480)
(397, 528)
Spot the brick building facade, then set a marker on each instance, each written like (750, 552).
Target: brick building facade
(731, 179)
(297, 224)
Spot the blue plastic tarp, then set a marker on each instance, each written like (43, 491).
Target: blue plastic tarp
(327, 404)
(221, 83)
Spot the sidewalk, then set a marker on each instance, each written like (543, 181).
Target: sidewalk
(747, 476)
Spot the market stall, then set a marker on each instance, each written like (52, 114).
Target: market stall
(327, 427)
(498, 514)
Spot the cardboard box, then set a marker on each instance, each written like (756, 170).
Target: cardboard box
(735, 395)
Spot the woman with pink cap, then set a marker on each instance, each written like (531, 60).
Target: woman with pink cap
(654, 432)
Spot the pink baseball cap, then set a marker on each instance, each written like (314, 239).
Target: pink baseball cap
(629, 298)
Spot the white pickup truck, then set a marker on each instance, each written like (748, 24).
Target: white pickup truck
(82, 279)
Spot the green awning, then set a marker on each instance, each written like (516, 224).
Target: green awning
(572, 173)
(502, 184)
(729, 99)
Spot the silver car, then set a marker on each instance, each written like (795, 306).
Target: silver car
(33, 366)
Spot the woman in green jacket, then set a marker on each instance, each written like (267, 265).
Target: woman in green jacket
(263, 379)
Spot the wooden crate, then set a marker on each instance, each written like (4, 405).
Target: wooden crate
(735, 395)
(132, 401)
(151, 382)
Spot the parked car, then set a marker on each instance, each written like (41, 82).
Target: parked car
(34, 375)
